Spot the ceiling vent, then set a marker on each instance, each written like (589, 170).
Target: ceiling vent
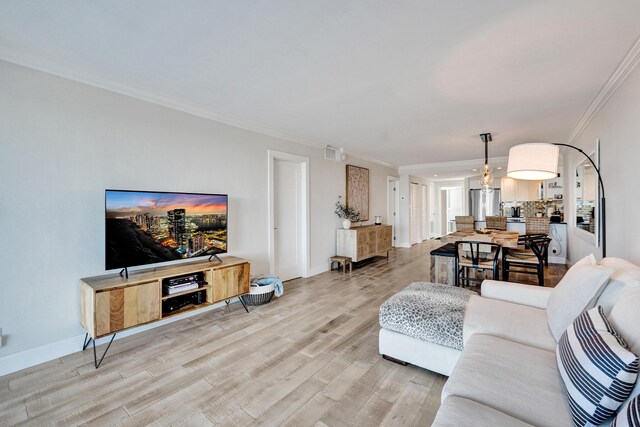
(336, 154)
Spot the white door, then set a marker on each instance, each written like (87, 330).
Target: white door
(287, 185)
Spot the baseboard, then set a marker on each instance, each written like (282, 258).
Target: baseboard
(557, 260)
(318, 269)
(34, 356)
(403, 245)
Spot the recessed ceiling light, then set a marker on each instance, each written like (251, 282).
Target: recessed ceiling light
(435, 174)
(499, 167)
(474, 170)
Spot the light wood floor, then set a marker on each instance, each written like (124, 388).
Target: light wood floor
(308, 358)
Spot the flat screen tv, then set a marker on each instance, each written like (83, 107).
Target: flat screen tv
(146, 227)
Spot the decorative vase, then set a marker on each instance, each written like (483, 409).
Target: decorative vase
(346, 224)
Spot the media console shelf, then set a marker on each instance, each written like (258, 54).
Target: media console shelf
(112, 303)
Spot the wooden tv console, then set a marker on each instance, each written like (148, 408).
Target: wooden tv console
(112, 303)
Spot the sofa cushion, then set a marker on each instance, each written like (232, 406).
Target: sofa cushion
(533, 296)
(596, 368)
(624, 274)
(457, 411)
(516, 322)
(516, 379)
(629, 415)
(625, 318)
(577, 291)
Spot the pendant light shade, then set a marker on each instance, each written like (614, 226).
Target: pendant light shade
(487, 172)
(536, 161)
(487, 177)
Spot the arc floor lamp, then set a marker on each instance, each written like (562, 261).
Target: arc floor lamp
(539, 161)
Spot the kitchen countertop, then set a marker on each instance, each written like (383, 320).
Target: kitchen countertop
(520, 220)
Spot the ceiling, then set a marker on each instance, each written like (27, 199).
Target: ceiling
(403, 82)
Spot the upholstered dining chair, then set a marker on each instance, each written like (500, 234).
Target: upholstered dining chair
(497, 222)
(464, 223)
(476, 255)
(527, 261)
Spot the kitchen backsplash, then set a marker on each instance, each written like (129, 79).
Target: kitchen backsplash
(528, 209)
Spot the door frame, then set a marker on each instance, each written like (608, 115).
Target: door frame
(392, 220)
(304, 197)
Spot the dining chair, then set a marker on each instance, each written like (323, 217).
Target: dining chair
(528, 260)
(476, 255)
(535, 227)
(497, 222)
(464, 223)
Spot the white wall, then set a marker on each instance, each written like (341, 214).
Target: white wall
(62, 143)
(617, 125)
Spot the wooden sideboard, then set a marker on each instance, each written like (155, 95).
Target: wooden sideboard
(112, 303)
(364, 242)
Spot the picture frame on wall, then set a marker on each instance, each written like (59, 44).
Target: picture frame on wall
(358, 190)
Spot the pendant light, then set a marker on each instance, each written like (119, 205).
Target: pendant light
(487, 172)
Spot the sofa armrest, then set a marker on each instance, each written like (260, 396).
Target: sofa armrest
(534, 296)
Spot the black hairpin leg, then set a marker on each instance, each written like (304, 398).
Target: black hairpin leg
(88, 340)
(241, 301)
(243, 304)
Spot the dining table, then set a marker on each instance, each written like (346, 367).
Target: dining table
(442, 258)
(502, 237)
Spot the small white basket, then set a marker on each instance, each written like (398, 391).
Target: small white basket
(259, 295)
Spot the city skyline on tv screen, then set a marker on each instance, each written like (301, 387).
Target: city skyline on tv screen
(145, 227)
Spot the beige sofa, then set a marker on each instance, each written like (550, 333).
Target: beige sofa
(507, 374)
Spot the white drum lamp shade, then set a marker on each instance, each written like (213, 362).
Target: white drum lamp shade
(536, 161)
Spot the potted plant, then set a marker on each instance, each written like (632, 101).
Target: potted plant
(348, 214)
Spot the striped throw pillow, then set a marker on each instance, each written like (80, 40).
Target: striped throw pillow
(597, 369)
(629, 416)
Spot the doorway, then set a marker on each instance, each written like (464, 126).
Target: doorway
(451, 205)
(288, 215)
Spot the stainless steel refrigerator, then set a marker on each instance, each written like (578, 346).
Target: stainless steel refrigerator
(483, 203)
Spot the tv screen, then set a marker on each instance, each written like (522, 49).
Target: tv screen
(146, 227)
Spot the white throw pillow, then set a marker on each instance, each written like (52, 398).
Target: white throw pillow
(625, 315)
(577, 291)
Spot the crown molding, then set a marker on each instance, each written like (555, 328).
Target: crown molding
(448, 166)
(102, 82)
(619, 75)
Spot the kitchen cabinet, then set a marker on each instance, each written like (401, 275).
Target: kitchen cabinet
(508, 189)
(518, 190)
(520, 227)
(558, 245)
